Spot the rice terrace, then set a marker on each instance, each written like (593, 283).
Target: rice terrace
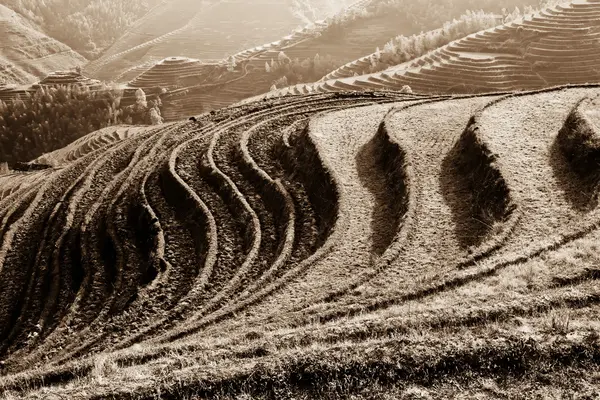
(306, 218)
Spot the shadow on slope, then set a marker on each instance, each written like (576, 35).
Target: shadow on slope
(575, 157)
(381, 168)
(302, 159)
(474, 188)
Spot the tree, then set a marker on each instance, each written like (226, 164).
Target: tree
(140, 98)
(155, 117)
(231, 64)
(53, 117)
(283, 58)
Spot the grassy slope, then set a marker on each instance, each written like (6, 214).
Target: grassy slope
(335, 291)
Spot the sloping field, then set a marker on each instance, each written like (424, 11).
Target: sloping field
(555, 46)
(27, 54)
(320, 246)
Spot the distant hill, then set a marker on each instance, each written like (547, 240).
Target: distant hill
(27, 54)
(87, 26)
(206, 30)
(404, 48)
(557, 45)
(305, 55)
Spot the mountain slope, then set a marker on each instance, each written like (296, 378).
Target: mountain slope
(402, 48)
(308, 54)
(27, 54)
(312, 246)
(208, 30)
(555, 46)
(87, 26)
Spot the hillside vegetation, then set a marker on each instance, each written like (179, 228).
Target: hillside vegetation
(27, 54)
(315, 246)
(52, 117)
(402, 48)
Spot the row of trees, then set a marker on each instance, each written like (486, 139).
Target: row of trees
(423, 15)
(53, 117)
(405, 48)
(87, 26)
(398, 50)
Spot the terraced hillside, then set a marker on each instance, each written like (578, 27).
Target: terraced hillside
(558, 45)
(26, 54)
(373, 244)
(195, 86)
(401, 49)
(209, 31)
(211, 84)
(58, 78)
(308, 54)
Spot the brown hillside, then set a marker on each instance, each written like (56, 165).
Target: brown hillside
(26, 54)
(320, 246)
